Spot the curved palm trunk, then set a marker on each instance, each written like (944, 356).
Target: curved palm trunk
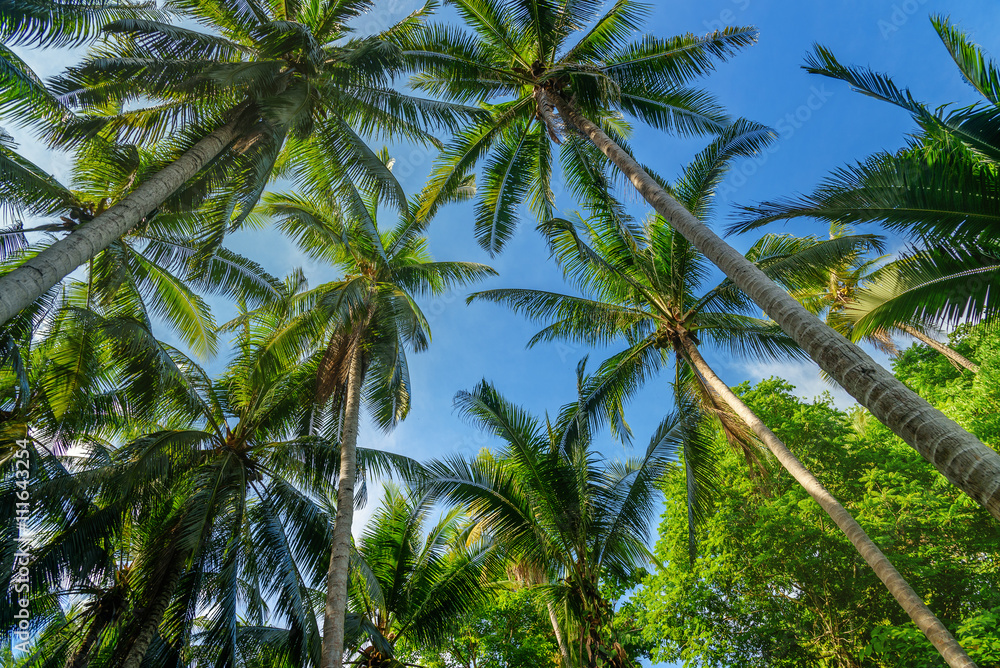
(953, 355)
(563, 648)
(336, 585)
(914, 606)
(957, 454)
(28, 282)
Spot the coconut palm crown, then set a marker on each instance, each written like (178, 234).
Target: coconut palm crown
(519, 52)
(556, 506)
(368, 320)
(225, 103)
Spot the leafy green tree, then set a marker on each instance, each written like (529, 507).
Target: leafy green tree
(557, 508)
(369, 318)
(222, 105)
(526, 51)
(757, 597)
(643, 286)
(972, 400)
(413, 577)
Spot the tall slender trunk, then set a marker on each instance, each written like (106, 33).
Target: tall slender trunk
(908, 599)
(336, 584)
(563, 648)
(80, 657)
(154, 615)
(953, 355)
(28, 282)
(957, 454)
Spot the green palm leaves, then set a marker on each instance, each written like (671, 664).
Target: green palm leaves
(221, 106)
(557, 508)
(157, 271)
(60, 23)
(520, 52)
(940, 190)
(374, 307)
(414, 576)
(24, 96)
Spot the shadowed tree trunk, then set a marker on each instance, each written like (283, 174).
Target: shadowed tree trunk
(34, 277)
(914, 606)
(81, 656)
(953, 355)
(958, 455)
(336, 586)
(154, 615)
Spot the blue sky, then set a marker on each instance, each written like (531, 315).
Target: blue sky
(822, 124)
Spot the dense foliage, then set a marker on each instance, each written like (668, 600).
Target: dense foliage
(510, 631)
(776, 585)
(156, 512)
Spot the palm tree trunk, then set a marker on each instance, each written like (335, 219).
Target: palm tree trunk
(957, 454)
(953, 356)
(79, 658)
(154, 615)
(336, 585)
(563, 649)
(914, 606)
(28, 282)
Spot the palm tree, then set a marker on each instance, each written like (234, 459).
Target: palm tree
(643, 288)
(555, 505)
(221, 504)
(23, 95)
(225, 102)
(939, 190)
(413, 578)
(862, 288)
(370, 319)
(156, 269)
(520, 52)
(575, 91)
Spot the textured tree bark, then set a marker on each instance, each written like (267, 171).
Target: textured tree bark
(563, 649)
(28, 282)
(908, 599)
(81, 656)
(957, 454)
(337, 575)
(546, 113)
(953, 355)
(154, 616)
